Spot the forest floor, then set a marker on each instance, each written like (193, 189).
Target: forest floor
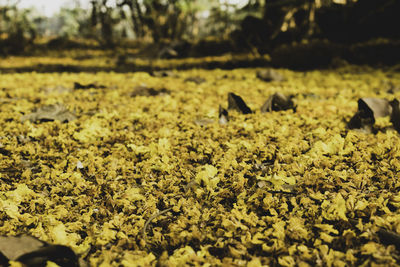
(137, 168)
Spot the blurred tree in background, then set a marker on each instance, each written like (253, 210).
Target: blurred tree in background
(17, 29)
(260, 24)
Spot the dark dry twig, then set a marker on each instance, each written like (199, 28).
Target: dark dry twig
(281, 192)
(149, 221)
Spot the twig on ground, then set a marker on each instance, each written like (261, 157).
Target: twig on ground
(149, 221)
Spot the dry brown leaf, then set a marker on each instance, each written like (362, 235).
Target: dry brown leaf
(78, 86)
(278, 102)
(163, 73)
(195, 79)
(32, 252)
(389, 237)
(148, 91)
(379, 107)
(50, 113)
(369, 109)
(223, 116)
(270, 75)
(395, 116)
(13, 247)
(235, 102)
(61, 255)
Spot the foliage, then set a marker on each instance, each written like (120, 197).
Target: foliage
(16, 29)
(70, 23)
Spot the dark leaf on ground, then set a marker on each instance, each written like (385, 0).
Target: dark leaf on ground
(3, 260)
(235, 102)
(148, 91)
(163, 73)
(379, 107)
(388, 237)
(270, 75)
(33, 252)
(278, 102)
(223, 116)
(369, 109)
(195, 79)
(395, 116)
(13, 247)
(5, 152)
(61, 255)
(50, 113)
(78, 86)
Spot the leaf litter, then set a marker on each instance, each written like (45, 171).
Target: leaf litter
(143, 90)
(235, 102)
(32, 252)
(278, 102)
(270, 75)
(50, 113)
(133, 181)
(79, 86)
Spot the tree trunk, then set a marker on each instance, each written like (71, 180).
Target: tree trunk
(139, 18)
(136, 17)
(273, 16)
(106, 26)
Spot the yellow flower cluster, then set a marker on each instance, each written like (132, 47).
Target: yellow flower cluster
(136, 181)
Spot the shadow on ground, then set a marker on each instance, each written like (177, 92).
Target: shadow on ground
(131, 67)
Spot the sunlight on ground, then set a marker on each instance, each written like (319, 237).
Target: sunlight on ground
(286, 187)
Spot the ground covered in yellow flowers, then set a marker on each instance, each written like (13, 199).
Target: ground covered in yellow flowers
(138, 179)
